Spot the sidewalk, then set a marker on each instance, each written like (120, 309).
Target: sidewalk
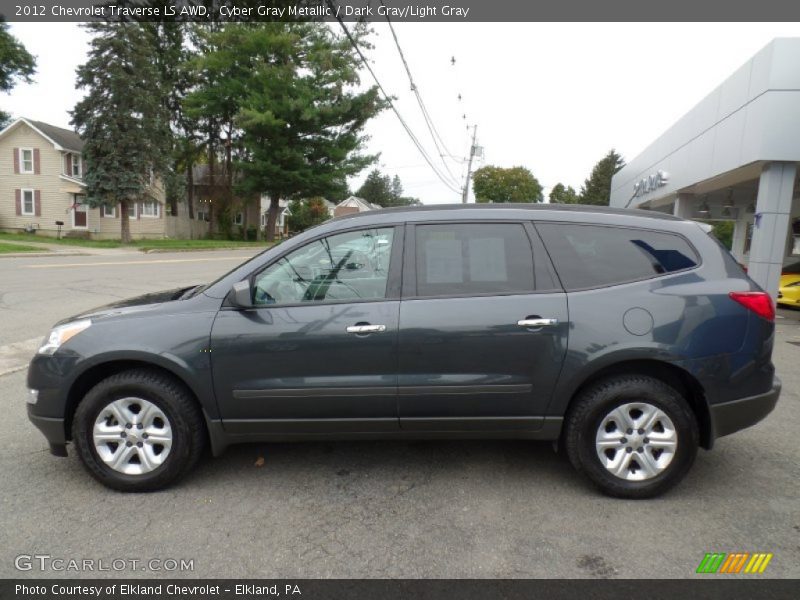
(49, 249)
(64, 250)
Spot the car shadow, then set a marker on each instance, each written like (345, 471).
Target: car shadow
(521, 460)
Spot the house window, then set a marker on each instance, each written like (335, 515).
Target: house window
(201, 215)
(150, 208)
(132, 210)
(109, 211)
(28, 205)
(76, 165)
(238, 219)
(263, 219)
(26, 160)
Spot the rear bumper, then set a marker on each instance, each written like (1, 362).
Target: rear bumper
(729, 417)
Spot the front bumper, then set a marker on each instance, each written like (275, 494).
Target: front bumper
(49, 376)
(729, 417)
(53, 430)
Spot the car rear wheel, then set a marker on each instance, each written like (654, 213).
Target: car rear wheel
(633, 436)
(138, 431)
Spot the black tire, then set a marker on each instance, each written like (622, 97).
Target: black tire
(171, 397)
(596, 402)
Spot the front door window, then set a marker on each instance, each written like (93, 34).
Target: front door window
(349, 266)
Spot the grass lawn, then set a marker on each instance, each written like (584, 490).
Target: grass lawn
(10, 248)
(145, 245)
(30, 237)
(142, 245)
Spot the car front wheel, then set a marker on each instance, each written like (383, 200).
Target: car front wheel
(633, 436)
(138, 431)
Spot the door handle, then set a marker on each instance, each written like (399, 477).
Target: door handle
(537, 322)
(366, 329)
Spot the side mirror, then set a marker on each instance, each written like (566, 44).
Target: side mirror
(241, 295)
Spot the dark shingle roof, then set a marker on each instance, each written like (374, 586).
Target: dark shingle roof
(67, 139)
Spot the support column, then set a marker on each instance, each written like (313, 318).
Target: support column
(685, 206)
(740, 235)
(771, 224)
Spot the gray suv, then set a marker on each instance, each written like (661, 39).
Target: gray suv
(629, 338)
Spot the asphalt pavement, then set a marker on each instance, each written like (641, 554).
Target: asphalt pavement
(369, 509)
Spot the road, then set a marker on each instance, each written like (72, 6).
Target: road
(374, 509)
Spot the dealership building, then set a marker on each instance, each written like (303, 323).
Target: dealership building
(733, 157)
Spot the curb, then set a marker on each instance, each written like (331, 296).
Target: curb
(13, 370)
(172, 250)
(40, 254)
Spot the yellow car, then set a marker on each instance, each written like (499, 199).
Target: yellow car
(789, 290)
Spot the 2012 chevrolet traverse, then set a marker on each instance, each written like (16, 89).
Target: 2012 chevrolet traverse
(630, 337)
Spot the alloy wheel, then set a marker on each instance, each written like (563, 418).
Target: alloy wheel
(636, 441)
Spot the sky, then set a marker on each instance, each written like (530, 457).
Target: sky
(552, 97)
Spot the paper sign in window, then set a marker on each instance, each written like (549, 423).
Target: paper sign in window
(443, 261)
(487, 259)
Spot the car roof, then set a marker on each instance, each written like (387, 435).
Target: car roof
(506, 210)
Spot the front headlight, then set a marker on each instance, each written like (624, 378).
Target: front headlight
(62, 334)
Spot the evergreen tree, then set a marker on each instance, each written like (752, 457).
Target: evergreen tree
(16, 64)
(219, 73)
(170, 55)
(397, 188)
(384, 191)
(301, 117)
(376, 189)
(307, 213)
(597, 189)
(122, 118)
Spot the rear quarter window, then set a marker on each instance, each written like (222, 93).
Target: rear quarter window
(588, 256)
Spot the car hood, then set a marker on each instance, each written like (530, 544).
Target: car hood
(789, 279)
(145, 302)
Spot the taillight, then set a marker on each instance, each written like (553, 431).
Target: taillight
(759, 302)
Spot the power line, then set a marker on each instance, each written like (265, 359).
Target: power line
(438, 141)
(388, 99)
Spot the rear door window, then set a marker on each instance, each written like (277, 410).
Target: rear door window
(588, 256)
(457, 259)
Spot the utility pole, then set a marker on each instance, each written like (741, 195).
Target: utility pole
(472, 150)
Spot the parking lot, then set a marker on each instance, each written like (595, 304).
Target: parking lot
(371, 509)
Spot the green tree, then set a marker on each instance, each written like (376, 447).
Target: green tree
(496, 184)
(397, 187)
(121, 118)
(219, 74)
(723, 230)
(339, 190)
(171, 55)
(377, 189)
(301, 115)
(398, 199)
(597, 188)
(384, 191)
(307, 213)
(563, 195)
(16, 64)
